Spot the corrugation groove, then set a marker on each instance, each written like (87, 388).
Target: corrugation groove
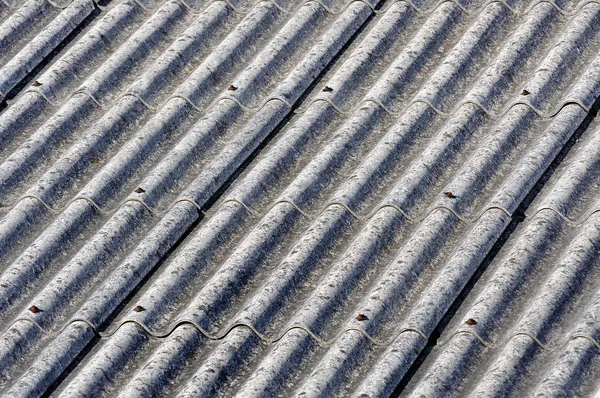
(573, 264)
(36, 50)
(333, 50)
(289, 198)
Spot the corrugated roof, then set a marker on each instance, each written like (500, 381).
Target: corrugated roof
(536, 306)
(297, 198)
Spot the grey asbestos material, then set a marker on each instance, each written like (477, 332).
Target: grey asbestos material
(59, 80)
(549, 273)
(97, 41)
(33, 53)
(144, 43)
(299, 198)
(40, 377)
(15, 168)
(26, 18)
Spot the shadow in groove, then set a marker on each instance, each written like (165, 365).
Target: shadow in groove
(89, 347)
(39, 67)
(518, 217)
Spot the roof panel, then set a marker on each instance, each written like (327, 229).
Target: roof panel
(289, 199)
(535, 306)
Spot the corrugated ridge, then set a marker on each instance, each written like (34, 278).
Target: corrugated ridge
(510, 105)
(568, 269)
(21, 218)
(34, 196)
(135, 50)
(113, 210)
(66, 69)
(341, 33)
(568, 276)
(320, 370)
(37, 49)
(149, 188)
(343, 214)
(27, 16)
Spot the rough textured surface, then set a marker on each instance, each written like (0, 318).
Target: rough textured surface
(296, 198)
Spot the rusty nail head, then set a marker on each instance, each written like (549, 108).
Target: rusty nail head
(450, 195)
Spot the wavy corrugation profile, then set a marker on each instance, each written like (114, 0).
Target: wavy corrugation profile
(17, 65)
(288, 198)
(536, 306)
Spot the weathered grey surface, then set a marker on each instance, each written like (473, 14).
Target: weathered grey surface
(271, 215)
(536, 306)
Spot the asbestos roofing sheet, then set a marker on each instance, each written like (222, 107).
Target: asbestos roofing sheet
(535, 308)
(289, 198)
